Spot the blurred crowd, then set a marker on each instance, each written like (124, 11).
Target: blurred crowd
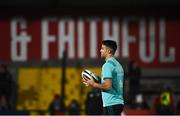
(163, 103)
(6, 84)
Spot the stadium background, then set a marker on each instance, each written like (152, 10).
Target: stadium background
(35, 34)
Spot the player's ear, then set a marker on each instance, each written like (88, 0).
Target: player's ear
(109, 51)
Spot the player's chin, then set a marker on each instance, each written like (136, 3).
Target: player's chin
(102, 56)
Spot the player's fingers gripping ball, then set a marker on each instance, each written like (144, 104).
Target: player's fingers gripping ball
(87, 75)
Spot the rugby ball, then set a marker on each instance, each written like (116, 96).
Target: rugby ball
(87, 75)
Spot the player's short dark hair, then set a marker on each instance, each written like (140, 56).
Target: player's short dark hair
(111, 44)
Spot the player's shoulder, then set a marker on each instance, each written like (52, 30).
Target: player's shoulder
(111, 62)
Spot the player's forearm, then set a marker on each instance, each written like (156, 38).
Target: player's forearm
(102, 86)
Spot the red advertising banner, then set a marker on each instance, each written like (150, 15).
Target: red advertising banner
(150, 41)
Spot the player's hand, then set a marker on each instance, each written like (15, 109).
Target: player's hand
(84, 82)
(90, 82)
